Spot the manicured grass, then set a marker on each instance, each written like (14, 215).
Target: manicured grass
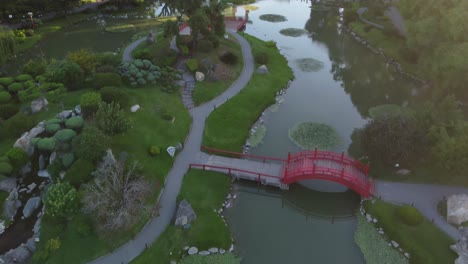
(205, 191)
(229, 125)
(374, 246)
(425, 242)
(209, 89)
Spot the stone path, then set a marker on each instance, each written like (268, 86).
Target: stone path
(424, 197)
(153, 229)
(127, 54)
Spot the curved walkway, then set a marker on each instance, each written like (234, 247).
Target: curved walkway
(157, 225)
(127, 54)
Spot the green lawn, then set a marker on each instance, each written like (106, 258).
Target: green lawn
(205, 191)
(229, 125)
(374, 246)
(209, 89)
(148, 129)
(425, 242)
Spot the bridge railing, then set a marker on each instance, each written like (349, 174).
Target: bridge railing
(239, 155)
(230, 171)
(329, 155)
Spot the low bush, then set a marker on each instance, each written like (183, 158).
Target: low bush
(68, 159)
(64, 135)
(5, 81)
(111, 119)
(85, 59)
(17, 157)
(76, 122)
(52, 128)
(142, 54)
(56, 95)
(79, 172)
(66, 72)
(107, 58)
(5, 168)
(111, 94)
(261, 58)
(35, 67)
(205, 45)
(184, 50)
(61, 201)
(23, 78)
(54, 169)
(192, 65)
(91, 144)
(4, 97)
(409, 215)
(17, 125)
(55, 121)
(229, 58)
(83, 224)
(8, 110)
(106, 79)
(271, 44)
(47, 144)
(89, 103)
(154, 150)
(15, 87)
(214, 40)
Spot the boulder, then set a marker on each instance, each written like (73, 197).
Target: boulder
(43, 173)
(38, 104)
(457, 209)
(134, 108)
(403, 172)
(193, 251)
(394, 244)
(26, 169)
(213, 250)
(263, 70)
(150, 38)
(53, 157)
(185, 214)
(204, 253)
(199, 76)
(171, 151)
(2, 227)
(222, 251)
(64, 114)
(78, 110)
(461, 247)
(8, 184)
(11, 205)
(31, 205)
(31, 187)
(41, 162)
(24, 142)
(18, 255)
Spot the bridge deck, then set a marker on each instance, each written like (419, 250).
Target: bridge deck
(308, 163)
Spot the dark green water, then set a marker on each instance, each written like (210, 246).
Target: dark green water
(301, 226)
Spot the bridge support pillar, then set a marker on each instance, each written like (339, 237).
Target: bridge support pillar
(284, 186)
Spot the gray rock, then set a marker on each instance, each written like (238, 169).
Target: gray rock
(394, 244)
(41, 162)
(78, 110)
(222, 251)
(457, 209)
(24, 142)
(26, 169)
(31, 245)
(11, 205)
(37, 226)
(18, 255)
(204, 253)
(403, 172)
(185, 214)
(193, 251)
(43, 173)
(64, 114)
(407, 255)
(31, 205)
(134, 108)
(461, 247)
(52, 157)
(263, 70)
(213, 250)
(31, 186)
(39, 104)
(186, 247)
(199, 76)
(8, 184)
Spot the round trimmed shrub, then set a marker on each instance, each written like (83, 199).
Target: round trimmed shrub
(74, 122)
(18, 157)
(4, 159)
(111, 94)
(5, 168)
(4, 97)
(15, 87)
(262, 58)
(65, 135)
(205, 45)
(229, 58)
(35, 67)
(79, 172)
(5, 81)
(409, 215)
(89, 103)
(67, 159)
(154, 150)
(66, 72)
(8, 110)
(52, 128)
(34, 141)
(106, 79)
(23, 78)
(47, 144)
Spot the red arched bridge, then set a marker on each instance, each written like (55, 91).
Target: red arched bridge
(305, 165)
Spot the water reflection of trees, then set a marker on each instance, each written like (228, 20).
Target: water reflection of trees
(363, 75)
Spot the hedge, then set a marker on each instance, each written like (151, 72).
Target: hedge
(111, 94)
(15, 87)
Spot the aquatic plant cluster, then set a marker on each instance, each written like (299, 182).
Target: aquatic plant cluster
(273, 18)
(293, 32)
(309, 65)
(308, 135)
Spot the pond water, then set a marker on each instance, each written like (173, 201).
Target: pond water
(339, 94)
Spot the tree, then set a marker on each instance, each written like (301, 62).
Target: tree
(90, 144)
(116, 198)
(111, 119)
(66, 72)
(170, 28)
(183, 7)
(451, 148)
(85, 59)
(198, 25)
(63, 6)
(61, 201)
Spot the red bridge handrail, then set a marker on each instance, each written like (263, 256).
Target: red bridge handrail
(238, 154)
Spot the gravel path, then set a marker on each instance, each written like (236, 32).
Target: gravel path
(424, 197)
(157, 225)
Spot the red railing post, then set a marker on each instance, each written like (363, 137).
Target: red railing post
(315, 152)
(289, 157)
(342, 156)
(342, 172)
(229, 171)
(367, 169)
(259, 179)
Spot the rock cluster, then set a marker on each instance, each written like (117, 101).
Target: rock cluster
(457, 209)
(461, 247)
(185, 214)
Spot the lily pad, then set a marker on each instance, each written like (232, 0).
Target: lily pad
(308, 135)
(294, 32)
(273, 18)
(309, 65)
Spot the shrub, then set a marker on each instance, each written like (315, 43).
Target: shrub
(34, 141)
(271, 44)
(5, 168)
(15, 87)
(192, 65)
(107, 58)
(17, 125)
(205, 45)
(4, 97)
(35, 67)
(67, 160)
(154, 150)
(111, 119)
(85, 59)
(17, 157)
(56, 95)
(47, 144)
(74, 122)
(89, 103)
(82, 224)
(111, 94)
(214, 40)
(5, 81)
(23, 78)
(65, 135)
(54, 169)
(409, 215)
(52, 128)
(8, 110)
(107, 68)
(142, 54)
(66, 72)
(106, 79)
(79, 172)
(90, 144)
(61, 201)
(229, 58)
(184, 50)
(261, 58)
